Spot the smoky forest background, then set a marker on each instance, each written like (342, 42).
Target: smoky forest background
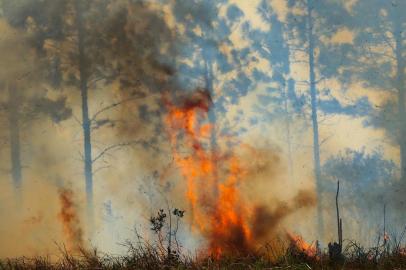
(240, 115)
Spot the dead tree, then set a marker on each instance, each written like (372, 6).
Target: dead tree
(335, 249)
(339, 220)
(385, 234)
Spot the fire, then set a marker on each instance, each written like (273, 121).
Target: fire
(70, 220)
(301, 246)
(217, 208)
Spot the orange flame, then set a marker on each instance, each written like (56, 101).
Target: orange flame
(301, 246)
(217, 209)
(70, 220)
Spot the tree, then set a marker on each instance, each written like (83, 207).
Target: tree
(310, 22)
(380, 63)
(25, 90)
(363, 177)
(92, 43)
(218, 64)
(213, 50)
(280, 101)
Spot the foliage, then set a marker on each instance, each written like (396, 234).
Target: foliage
(157, 223)
(359, 171)
(162, 225)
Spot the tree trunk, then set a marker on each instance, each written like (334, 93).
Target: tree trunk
(14, 127)
(88, 171)
(289, 85)
(212, 113)
(315, 124)
(212, 117)
(400, 87)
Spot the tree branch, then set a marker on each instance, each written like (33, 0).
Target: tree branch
(113, 105)
(300, 62)
(326, 139)
(101, 168)
(319, 80)
(114, 146)
(77, 120)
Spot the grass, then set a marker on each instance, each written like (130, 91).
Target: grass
(154, 257)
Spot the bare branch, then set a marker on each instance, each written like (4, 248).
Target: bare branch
(326, 139)
(266, 14)
(373, 54)
(303, 82)
(266, 48)
(383, 32)
(96, 79)
(320, 80)
(82, 158)
(299, 49)
(387, 41)
(101, 168)
(77, 120)
(113, 105)
(300, 61)
(115, 146)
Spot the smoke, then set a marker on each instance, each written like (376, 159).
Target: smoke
(29, 227)
(265, 225)
(267, 219)
(137, 41)
(236, 195)
(37, 54)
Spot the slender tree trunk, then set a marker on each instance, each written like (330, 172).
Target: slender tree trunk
(288, 126)
(400, 86)
(88, 171)
(14, 127)
(209, 78)
(315, 124)
(212, 113)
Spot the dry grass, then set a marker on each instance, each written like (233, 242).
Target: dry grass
(146, 256)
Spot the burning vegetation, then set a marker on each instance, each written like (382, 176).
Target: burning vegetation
(219, 209)
(299, 247)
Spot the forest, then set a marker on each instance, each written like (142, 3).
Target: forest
(202, 134)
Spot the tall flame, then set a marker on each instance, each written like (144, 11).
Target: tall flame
(218, 211)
